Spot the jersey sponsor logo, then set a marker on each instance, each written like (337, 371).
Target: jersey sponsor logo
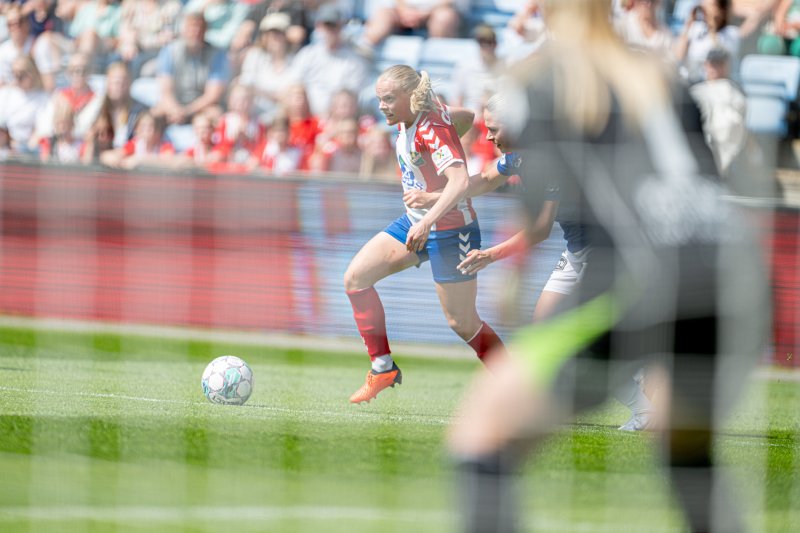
(442, 156)
(409, 179)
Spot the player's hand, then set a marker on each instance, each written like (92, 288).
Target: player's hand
(476, 260)
(418, 236)
(417, 199)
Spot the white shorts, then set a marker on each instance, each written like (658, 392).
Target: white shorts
(568, 272)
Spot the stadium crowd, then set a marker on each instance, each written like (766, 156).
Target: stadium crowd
(279, 87)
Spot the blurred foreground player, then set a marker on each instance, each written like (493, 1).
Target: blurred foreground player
(675, 279)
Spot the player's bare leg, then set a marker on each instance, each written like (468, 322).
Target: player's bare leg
(381, 256)
(458, 304)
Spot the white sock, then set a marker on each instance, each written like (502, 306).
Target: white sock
(631, 395)
(382, 363)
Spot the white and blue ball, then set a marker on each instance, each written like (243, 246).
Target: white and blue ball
(227, 380)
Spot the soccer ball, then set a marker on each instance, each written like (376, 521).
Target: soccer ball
(227, 380)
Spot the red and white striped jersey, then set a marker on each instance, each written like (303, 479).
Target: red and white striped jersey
(424, 151)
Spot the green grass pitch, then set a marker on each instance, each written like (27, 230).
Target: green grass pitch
(111, 433)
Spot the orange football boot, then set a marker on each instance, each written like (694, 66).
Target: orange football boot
(376, 382)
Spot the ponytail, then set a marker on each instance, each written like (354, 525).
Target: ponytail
(416, 84)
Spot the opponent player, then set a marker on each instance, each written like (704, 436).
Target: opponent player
(499, 112)
(431, 158)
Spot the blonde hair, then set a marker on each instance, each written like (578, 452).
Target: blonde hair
(416, 84)
(593, 65)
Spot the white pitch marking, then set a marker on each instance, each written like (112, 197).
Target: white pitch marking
(352, 413)
(164, 514)
(209, 513)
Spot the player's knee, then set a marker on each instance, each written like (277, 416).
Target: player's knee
(444, 22)
(464, 327)
(352, 280)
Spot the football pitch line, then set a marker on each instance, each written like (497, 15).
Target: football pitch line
(356, 411)
(123, 513)
(251, 514)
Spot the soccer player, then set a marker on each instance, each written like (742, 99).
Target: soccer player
(675, 273)
(431, 157)
(499, 112)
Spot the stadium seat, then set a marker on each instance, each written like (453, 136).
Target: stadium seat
(145, 90)
(399, 50)
(771, 84)
(439, 57)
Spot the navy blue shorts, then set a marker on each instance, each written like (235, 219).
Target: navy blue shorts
(445, 249)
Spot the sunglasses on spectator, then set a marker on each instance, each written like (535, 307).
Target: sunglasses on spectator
(20, 74)
(487, 42)
(14, 23)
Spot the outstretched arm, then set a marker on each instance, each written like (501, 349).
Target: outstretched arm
(453, 192)
(490, 179)
(518, 243)
(462, 119)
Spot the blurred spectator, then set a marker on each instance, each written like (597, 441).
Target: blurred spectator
(77, 95)
(707, 27)
(342, 153)
(5, 144)
(98, 139)
(303, 124)
(192, 74)
(641, 28)
(527, 22)
(277, 156)
(48, 29)
(146, 148)
(329, 63)
(146, 26)
(344, 106)
(378, 159)
(41, 16)
(782, 34)
(22, 42)
(117, 103)
(723, 106)
(62, 146)
(296, 31)
(266, 64)
(67, 9)
(438, 18)
(238, 132)
(203, 152)
(475, 80)
(95, 30)
(223, 18)
(22, 101)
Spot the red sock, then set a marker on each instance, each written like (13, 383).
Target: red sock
(484, 341)
(370, 320)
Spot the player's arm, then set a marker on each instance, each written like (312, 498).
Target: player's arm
(453, 192)
(518, 243)
(462, 119)
(487, 181)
